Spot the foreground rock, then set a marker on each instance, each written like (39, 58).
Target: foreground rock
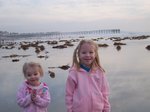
(103, 45)
(118, 48)
(64, 67)
(119, 43)
(52, 74)
(148, 47)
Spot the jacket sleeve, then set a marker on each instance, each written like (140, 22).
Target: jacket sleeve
(22, 99)
(44, 100)
(105, 92)
(70, 87)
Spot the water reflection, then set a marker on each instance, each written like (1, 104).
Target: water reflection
(127, 72)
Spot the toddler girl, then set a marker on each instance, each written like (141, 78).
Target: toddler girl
(33, 95)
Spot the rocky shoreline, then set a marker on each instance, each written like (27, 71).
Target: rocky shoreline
(40, 46)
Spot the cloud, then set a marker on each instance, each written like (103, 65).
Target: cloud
(74, 11)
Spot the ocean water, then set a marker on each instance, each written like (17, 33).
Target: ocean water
(127, 71)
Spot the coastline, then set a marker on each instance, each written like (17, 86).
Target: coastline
(127, 69)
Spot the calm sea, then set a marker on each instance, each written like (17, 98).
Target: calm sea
(127, 71)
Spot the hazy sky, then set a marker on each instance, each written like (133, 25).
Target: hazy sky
(74, 15)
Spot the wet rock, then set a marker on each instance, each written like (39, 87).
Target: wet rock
(75, 40)
(37, 50)
(115, 38)
(14, 56)
(64, 67)
(52, 42)
(52, 67)
(9, 47)
(63, 40)
(60, 46)
(68, 43)
(41, 56)
(119, 38)
(148, 47)
(41, 47)
(103, 45)
(119, 43)
(15, 60)
(95, 39)
(24, 47)
(52, 74)
(100, 38)
(118, 47)
(140, 37)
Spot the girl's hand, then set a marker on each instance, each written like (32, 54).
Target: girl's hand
(33, 95)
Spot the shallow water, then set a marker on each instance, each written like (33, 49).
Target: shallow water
(127, 71)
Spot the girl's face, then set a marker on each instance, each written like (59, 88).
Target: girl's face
(33, 76)
(87, 54)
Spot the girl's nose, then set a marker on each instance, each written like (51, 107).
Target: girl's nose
(32, 76)
(87, 54)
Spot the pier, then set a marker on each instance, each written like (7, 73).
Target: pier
(9, 36)
(86, 33)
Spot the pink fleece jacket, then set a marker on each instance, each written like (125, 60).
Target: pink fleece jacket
(42, 98)
(87, 91)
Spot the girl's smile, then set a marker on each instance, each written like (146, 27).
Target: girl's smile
(87, 54)
(33, 77)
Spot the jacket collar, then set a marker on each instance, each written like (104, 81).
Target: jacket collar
(85, 67)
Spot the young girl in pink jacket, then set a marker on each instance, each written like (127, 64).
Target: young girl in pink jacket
(86, 87)
(33, 95)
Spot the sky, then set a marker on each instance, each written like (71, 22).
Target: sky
(24, 16)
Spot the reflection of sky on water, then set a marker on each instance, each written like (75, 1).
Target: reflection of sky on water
(127, 71)
(130, 91)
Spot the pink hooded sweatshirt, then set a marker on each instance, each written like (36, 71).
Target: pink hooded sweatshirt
(42, 98)
(87, 91)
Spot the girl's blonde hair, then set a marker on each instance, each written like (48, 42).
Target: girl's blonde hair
(33, 65)
(96, 62)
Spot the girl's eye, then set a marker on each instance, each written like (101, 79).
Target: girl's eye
(28, 75)
(91, 52)
(83, 52)
(35, 74)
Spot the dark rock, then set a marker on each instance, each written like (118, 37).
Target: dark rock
(119, 43)
(148, 47)
(41, 56)
(41, 47)
(37, 50)
(64, 67)
(52, 74)
(52, 42)
(102, 45)
(118, 48)
(60, 46)
(15, 60)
